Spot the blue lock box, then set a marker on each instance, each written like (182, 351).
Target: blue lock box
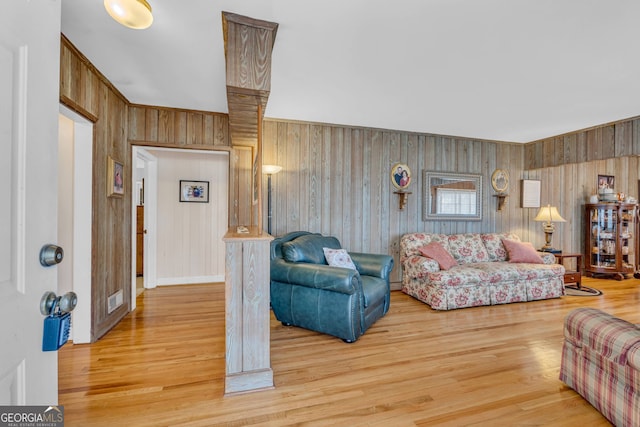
(56, 331)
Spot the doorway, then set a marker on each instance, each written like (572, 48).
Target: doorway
(75, 183)
(144, 213)
(182, 242)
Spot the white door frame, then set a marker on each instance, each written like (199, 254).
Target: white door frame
(82, 213)
(150, 220)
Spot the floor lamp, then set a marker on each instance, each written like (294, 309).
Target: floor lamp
(269, 170)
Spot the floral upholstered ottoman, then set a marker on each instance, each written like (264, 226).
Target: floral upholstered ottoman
(601, 362)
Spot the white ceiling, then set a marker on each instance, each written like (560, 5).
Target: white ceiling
(508, 70)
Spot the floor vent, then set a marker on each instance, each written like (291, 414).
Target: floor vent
(114, 301)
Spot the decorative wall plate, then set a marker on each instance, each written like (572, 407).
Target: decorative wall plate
(500, 180)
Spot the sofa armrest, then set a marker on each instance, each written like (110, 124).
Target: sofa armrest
(417, 266)
(547, 257)
(318, 276)
(608, 336)
(376, 265)
(633, 357)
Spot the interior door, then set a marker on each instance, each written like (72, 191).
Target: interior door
(29, 87)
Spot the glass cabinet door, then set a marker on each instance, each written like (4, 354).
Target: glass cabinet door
(604, 223)
(627, 243)
(611, 239)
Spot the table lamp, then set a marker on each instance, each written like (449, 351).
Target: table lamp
(549, 214)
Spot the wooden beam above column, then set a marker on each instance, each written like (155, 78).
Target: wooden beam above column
(248, 44)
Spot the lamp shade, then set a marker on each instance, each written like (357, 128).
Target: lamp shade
(549, 214)
(271, 169)
(134, 14)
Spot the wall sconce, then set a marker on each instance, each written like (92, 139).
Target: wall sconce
(404, 198)
(134, 14)
(502, 198)
(269, 170)
(549, 214)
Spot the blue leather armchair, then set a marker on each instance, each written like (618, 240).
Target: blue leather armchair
(307, 292)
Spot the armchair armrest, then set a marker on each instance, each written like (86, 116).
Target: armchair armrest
(376, 265)
(633, 357)
(318, 276)
(609, 337)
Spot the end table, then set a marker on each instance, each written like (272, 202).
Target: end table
(571, 276)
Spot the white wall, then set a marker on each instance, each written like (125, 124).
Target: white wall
(75, 142)
(190, 246)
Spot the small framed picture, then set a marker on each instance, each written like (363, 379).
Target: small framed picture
(115, 178)
(530, 193)
(606, 181)
(194, 191)
(400, 176)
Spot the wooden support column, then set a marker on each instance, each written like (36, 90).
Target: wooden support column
(247, 44)
(247, 351)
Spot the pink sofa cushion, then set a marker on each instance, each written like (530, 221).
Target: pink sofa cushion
(435, 251)
(411, 243)
(495, 248)
(521, 252)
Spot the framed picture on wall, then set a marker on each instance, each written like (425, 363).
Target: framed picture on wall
(530, 193)
(194, 191)
(400, 176)
(115, 178)
(606, 182)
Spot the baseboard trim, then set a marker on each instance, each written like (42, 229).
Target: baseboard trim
(170, 281)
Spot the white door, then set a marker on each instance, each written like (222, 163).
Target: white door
(29, 93)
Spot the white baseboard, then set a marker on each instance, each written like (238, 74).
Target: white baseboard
(169, 281)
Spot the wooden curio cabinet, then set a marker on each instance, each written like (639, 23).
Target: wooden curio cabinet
(610, 239)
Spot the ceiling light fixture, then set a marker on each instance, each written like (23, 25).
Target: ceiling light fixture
(130, 13)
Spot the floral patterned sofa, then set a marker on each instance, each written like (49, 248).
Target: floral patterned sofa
(482, 273)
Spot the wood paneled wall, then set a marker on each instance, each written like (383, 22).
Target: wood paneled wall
(336, 180)
(177, 128)
(571, 177)
(568, 166)
(85, 90)
(188, 129)
(569, 186)
(608, 141)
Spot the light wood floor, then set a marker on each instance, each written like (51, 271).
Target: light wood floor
(163, 365)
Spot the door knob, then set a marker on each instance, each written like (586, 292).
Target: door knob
(57, 323)
(65, 303)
